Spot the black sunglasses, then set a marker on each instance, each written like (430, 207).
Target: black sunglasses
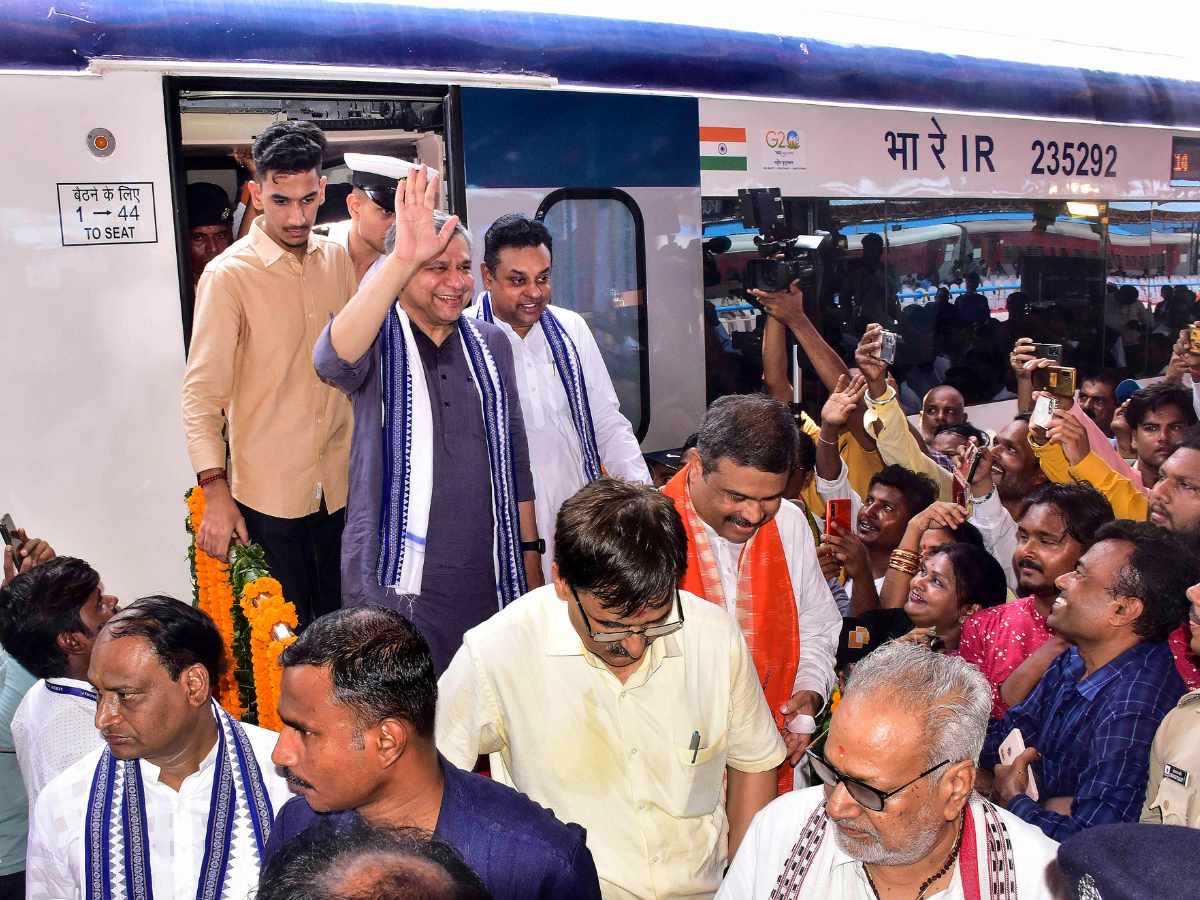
(648, 632)
(863, 794)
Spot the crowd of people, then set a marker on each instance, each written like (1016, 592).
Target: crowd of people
(846, 656)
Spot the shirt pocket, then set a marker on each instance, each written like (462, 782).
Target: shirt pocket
(1176, 803)
(698, 778)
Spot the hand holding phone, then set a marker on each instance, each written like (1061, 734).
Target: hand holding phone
(1014, 746)
(838, 511)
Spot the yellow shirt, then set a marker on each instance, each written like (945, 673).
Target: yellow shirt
(861, 465)
(259, 312)
(1126, 500)
(897, 446)
(616, 758)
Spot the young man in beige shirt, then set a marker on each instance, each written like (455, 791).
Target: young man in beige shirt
(250, 384)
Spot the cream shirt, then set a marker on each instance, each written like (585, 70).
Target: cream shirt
(1173, 792)
(774, 832)
(555, 457)
(561, 728)
(177, 822)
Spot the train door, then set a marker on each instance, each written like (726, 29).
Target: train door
(616, 180)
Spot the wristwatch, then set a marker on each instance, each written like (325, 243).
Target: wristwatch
(534, 546)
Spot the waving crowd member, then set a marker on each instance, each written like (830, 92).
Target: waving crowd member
(573, 421)
(897, 815)
(442, 522)
(952, 584)
(153, 812)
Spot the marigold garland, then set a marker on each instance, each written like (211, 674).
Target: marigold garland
(255, 628)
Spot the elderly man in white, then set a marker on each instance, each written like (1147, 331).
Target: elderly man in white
(897, 815)
(573, 421)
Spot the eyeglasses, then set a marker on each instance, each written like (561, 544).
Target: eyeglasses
(648, 632)
(863, 794)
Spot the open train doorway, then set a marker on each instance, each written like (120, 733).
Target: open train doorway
(212, 123)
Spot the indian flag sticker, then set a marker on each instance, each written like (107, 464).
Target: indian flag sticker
(722, 149)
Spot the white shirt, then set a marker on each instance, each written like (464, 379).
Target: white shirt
(555, 457)
(177, 823)
(641, 764)
(52, 732)
(999, 533)
(818, 615)
(340, 232)
(776, 828)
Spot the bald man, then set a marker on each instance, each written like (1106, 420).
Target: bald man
(943, 405)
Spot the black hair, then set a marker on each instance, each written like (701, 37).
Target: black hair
(919, 490)
(966, 533)
(1082, 508)
(622, 542)
(963, 429)
(379, 664)
(288, 147)
(1160, 570)
(412, 864)
(752, 430)
(977, 576)
(1157, 397)
(514, 230)
(806, 453)
(1104, 376)
(180, 634)
(1190, 441)
(39, 605)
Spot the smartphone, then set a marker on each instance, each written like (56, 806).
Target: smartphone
(1014, 746)
(1048, 351)
(8, 533)
(976, 457)
(1043, 412)
(838, 511)
(887, 350)
(1058, 380)
(1194, 338)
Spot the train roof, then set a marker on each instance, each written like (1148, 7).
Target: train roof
(604, 53)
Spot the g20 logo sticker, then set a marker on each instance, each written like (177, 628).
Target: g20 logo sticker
(782, 140)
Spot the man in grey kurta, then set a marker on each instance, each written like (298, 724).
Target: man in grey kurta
(458, 587)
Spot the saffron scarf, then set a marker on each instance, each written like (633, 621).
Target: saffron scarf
(765, 603)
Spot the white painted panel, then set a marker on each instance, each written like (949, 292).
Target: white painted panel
(91, 445)
(673, 289)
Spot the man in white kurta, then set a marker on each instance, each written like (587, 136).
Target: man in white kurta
(54, 727)
(516, 273)
(165, 730)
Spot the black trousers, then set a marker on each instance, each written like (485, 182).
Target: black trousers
(12, 887)
(305, 555)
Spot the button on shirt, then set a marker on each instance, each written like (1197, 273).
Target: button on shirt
(177, 822)
(555, 456)
(1094, 736)
(1173, 792)
(259, 311)
(52, 732)
(616, 758)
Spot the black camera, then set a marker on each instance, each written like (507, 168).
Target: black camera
(784, 254)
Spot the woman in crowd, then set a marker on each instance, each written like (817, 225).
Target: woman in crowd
(951, 583)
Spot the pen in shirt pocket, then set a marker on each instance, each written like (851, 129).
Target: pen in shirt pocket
(694, 746)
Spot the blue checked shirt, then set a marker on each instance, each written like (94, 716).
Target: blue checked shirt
(1093, 735)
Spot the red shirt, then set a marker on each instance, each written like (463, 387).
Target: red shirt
(1186, 664)
(998, 639)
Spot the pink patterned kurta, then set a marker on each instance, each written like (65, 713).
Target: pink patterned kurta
(998, 639)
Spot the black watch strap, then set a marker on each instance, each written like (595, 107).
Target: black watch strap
(538, 546)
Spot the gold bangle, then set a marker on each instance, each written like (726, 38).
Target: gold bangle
(903, 568)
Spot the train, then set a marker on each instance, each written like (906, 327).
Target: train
(630, 139)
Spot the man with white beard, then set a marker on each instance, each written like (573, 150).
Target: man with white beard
(897, 815)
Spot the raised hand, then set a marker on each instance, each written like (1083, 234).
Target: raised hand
(786, 306)
(1068, 431)
(844, 400)
(417, 240)
(866, 356)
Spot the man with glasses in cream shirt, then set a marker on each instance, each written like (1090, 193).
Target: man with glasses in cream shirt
(620, 701)
(897, 815)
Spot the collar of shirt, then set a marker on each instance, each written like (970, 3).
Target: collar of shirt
(151, 772)
(70, 682)
(1092, 685)
(563, 640)
(269, 251)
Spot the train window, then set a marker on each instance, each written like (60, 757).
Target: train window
(600, 273)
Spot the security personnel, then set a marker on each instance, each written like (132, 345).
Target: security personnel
(371, 204)
(209, 215)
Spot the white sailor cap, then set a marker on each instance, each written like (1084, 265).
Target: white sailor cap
(377, 176)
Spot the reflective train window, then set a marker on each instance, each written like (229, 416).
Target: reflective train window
(960, 280)
(213, 129)
(600, 273)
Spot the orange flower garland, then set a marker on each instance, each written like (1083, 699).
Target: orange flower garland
(215, 597)
(265, 609)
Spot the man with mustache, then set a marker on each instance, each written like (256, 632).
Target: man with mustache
(1089, 723)
(896, 815)
(1012, 644)
(755, 555)
(250, 392)
(357, 702)
(441, 521)
(620, 701)
(153, 812)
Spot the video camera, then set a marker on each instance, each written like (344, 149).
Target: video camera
(785, 255)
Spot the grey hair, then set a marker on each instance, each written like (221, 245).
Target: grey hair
(439, 219)
(952, 696)
(752, 430)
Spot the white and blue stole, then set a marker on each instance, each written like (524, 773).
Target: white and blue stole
(117, 805)
(570, 373)
(408, 460)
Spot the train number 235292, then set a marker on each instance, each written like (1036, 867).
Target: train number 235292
(1080, 159)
